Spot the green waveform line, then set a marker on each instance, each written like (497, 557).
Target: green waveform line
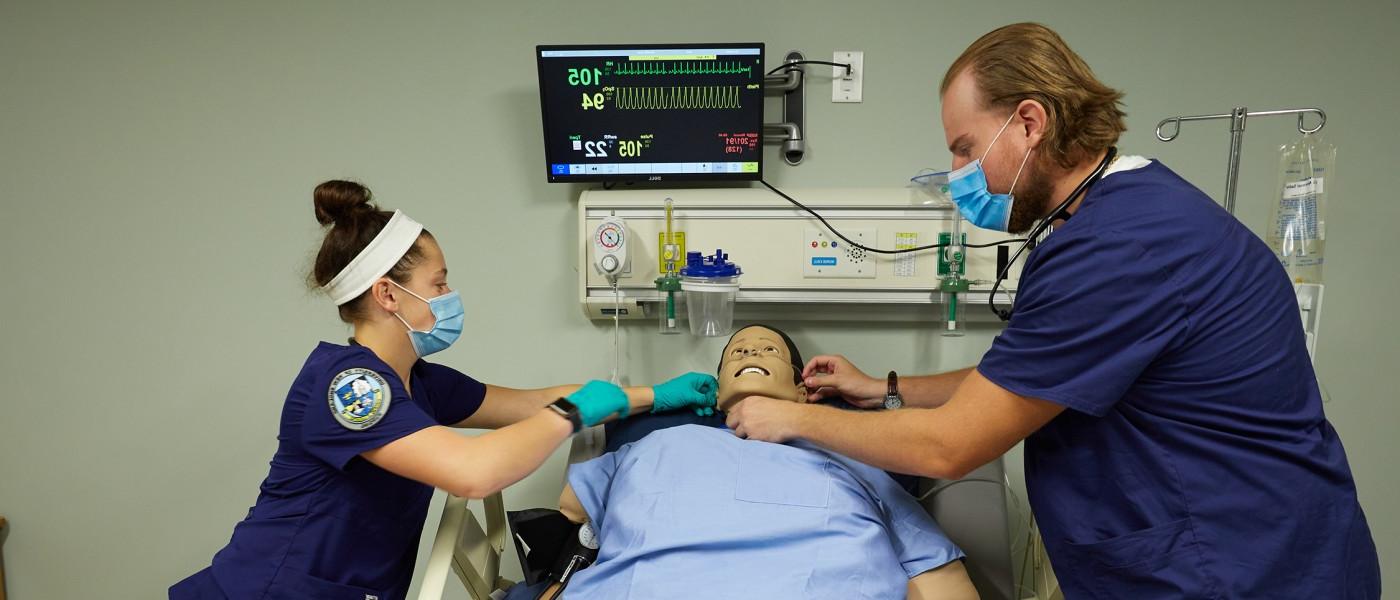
(704, 67)
(677, 98)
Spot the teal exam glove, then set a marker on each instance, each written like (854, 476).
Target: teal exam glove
(694, 390)
(598, 400)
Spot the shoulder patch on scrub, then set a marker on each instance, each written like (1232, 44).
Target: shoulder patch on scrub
(358, 398)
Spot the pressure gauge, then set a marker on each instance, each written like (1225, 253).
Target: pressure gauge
(610, 247)
(610, 236)
(587, 537)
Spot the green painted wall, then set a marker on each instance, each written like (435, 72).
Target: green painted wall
(157, 158)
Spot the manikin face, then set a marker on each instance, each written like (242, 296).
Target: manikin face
(757, 363)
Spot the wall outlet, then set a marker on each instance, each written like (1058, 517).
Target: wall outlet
(846, 87)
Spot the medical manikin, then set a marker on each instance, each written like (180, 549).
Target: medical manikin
(692, 511)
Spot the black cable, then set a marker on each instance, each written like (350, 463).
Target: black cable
(1079, 190)
(995, 244)
(936, 490)
(877, 250)
(794, 63)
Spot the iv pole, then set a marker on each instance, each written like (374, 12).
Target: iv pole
(1309, 294)
(1237, 119)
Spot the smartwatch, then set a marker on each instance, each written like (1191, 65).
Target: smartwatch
(566, 409)
(892, 398)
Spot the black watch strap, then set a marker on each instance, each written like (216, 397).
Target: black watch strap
(567, 410)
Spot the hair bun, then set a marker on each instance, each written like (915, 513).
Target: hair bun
(340, 201)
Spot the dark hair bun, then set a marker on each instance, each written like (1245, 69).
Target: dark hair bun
(340, 201)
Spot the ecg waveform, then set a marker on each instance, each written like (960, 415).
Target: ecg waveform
(677, 98)
(641, 68)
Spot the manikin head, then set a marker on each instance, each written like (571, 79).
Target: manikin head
(760, 361)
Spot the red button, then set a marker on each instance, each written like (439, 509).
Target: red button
(814, 244)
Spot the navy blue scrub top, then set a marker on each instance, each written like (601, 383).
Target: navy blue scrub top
(328, 523)
(1194, 460)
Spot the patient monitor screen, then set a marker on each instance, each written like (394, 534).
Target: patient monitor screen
(652, 113)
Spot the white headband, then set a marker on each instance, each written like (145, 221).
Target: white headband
(382, 253)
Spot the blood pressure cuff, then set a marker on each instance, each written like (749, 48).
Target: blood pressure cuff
(541, 535)
(548, 545)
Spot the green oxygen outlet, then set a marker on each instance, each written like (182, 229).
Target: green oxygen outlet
(944, 269)
(952, 266)
(669, 285)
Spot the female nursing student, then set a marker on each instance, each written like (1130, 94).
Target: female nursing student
(363, 440)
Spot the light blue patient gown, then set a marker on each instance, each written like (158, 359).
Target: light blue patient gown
(695, 512)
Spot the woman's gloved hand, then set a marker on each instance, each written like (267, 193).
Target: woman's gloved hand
(598, 400)
(694, 390)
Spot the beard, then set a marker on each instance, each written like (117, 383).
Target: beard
(1032, 203)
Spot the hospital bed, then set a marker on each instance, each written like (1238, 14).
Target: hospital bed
(971, 511)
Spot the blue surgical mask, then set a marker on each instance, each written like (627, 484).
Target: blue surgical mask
(448, 311)
(968, 188)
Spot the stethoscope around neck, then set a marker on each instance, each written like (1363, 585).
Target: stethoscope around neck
(1061, 211)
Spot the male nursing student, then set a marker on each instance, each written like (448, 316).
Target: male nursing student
(364, 433)
(1154, 363)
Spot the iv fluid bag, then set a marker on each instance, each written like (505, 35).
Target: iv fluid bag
(1297, 228)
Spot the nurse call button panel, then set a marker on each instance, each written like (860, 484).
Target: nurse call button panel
(826, 256)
